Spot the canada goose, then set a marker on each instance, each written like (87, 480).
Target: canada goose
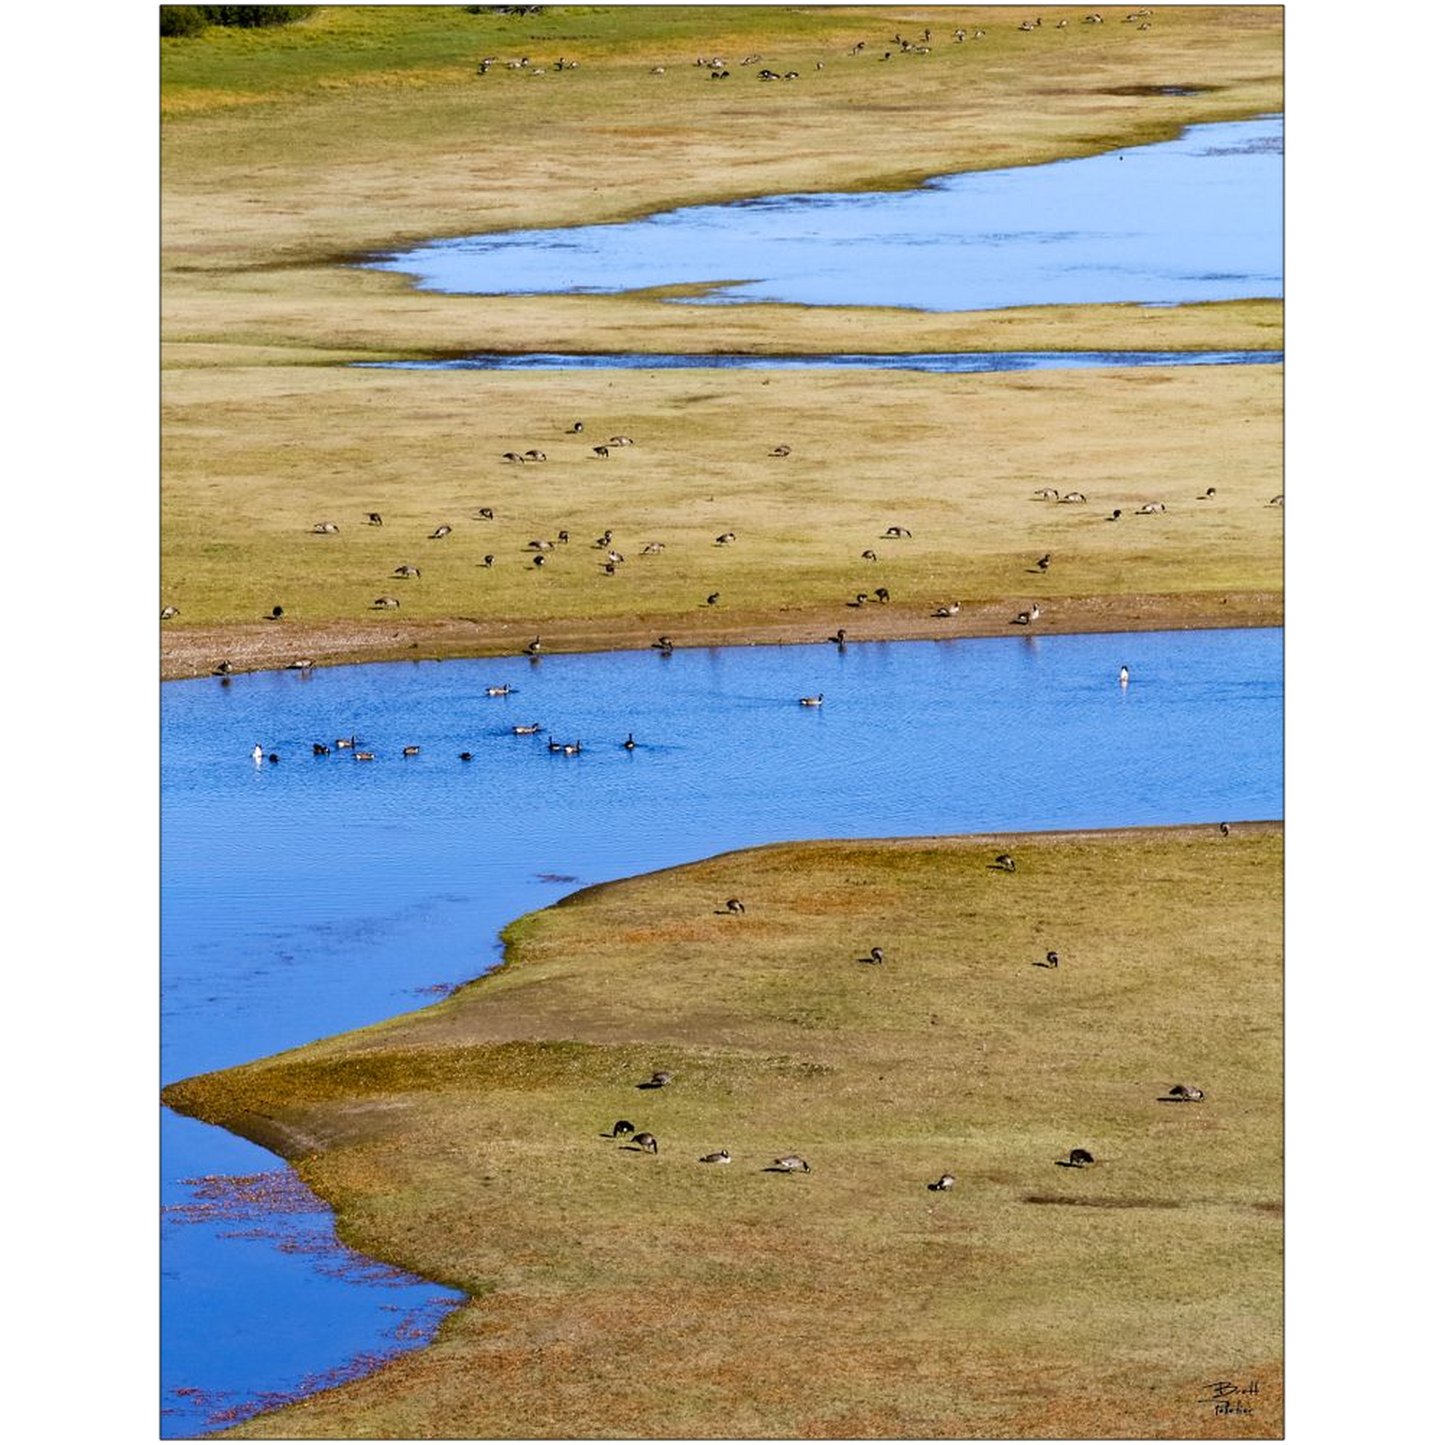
(326, 527)
(1186, 1091)
(257, 752)
(712, 598)
(860, 599)
(782, 451)
(645, 1141)
(576, 427)
(553, 746)
(791, 1164)
(944, 1181)
(653, 548)
(1050, 960)
(504, 690)
(600, 452)
(572, 749)
(486, 514)
(721, 1157)
(534, 647)
(660, 1079)
(1078, 1158)
(1073, 497)
(898, 532)
(658, 70)
(387, 602)
(221, 669)
(881, 593)
(726, 537)
(442, 531)
(605, 540)
(343, 743)
(1006, 862)
(1277, 501)
(811, 701)
(870, 555)
(534, 456)
(1208, 495)
(629, 742)
(539, 560)
(407, 570)
(300, 664)
(168, 612)
(1043, 563)
(1047, 494)
(465, 757)
(663, 644)
(615, 557)
(487, 560)
(735, 905)
(1031, 615)
(1224, 830)
(620, 441)
(273, 757)
(952, 610)
(839, 637)
(364, 757)
(276, 614)
(623, 1126)
(1114, 515)
(1124, 677)
(875, 955)
(564, 536)
(511, 456)
(525, 730)
(410, 752)
(1149, 508)
(373, 519)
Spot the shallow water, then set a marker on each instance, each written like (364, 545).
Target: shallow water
(318, 894)
(1197, 218)
(937, 362)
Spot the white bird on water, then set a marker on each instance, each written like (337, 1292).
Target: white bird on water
(1123, 677)
(257, 754)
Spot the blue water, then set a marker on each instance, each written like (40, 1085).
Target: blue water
(316, 894)
(1198, 218)
(936, 362)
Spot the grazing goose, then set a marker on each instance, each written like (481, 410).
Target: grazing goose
(257, 752)
(791, 1164)
(811, 701)
(534, 456)
(276, 614)
(721, 1157)
(1043, 563)
(1073, 497)
(1078, 1158)
(1114, 515)
(1006, 862)
(525, 730)
(505, 690)
(944, 1182)
(875, 955)
(622, 1127)
(839, 637)
(783, 451)
(645, 1141)
(1049, 960)
(1186, 1092)
(410, 752)
(898, 532)
(881, 593)
(406, 570)
(870, 555)
(1149, 509)
(952, 610)
(325, 528)
(735, 905)
(564, 536)
(465, 757)
(653, 548)
(1047, 494)
(605, 540)
(534, 647)
(387, 602)
(663, 644)
(486, 514)
(373, 519)
(511, 456)
(1208, 495)
(442, 531)
(660, 1079)
(600, 452)
(1124, 676)
(726, 537)
(1277, 501)
(713, 598)
(1224, 830)
(487, 560)
(168, 612)
(620, 441)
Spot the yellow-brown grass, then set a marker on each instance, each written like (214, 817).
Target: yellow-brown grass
(614, 1293)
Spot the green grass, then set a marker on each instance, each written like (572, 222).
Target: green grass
(615, 1293)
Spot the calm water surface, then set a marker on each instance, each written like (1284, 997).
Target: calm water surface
(942, 362)
(318, 894)
(1198, 218)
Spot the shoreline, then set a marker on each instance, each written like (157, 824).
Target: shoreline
(264, 646)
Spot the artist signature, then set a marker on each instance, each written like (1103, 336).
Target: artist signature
(1229, 1398)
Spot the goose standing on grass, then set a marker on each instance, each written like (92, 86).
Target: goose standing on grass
(168, 612)
(1073, 497)
(623, 1127)
(735, 905)
(1208, 495)
(1224, 830)
(943, 1182)
(486, 514)
(1047, 494)
(726, 538)
(1049, 960)
(1006, 862)
(1186, 1093)
(660, 1079)
(442, 531)
(870, 555)
(791, 1164)
(1114, 515)
(875, 955)
(406, 570)
(373, 519)
(487, 560)
(645, 1141)
(811, 701)
(1043, 563)
(534, 647)
(325, 528)
(387, 603)
(952, 610)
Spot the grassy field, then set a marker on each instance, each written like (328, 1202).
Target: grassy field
(617, 1293)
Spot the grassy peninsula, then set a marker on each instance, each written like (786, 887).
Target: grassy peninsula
(619, 1293)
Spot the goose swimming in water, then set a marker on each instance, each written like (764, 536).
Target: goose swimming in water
(410, 751)
(505, 690)
(944, 1182)
(811, 701)
(320, 750)
(364, 757)
(572, 749)
(523, 730)
(273, 758)
(629, 743)
(465, 757)
(1123, 677)
(257, 752)
(343, 743)
(663, 644)
(553, 746)
(721, 1157)
(645, 1141)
